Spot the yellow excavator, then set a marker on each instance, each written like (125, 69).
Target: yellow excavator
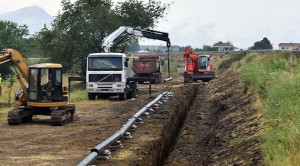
(41, 92)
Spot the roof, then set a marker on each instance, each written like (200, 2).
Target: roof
(46, 65)
(289, 44)
(106, 54)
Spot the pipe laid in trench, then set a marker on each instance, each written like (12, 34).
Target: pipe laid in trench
(95, 152)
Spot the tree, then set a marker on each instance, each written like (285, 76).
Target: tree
(260, 45)
(209, 48)
(13, 36)
(133, 45)
(219, 42)
(82, 26)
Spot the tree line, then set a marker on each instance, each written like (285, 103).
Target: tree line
(80, 28)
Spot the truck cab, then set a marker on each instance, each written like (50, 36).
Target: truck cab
(106, 75)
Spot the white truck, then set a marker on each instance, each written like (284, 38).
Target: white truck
(108, 74)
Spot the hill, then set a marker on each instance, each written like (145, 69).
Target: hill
(33, 16)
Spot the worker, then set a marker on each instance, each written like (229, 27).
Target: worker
(0, 85)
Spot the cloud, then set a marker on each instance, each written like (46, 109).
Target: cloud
(191, 22)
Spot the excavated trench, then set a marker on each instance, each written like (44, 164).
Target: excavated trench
(202, 124)
(180, 106)
(212, 124)
(152, 141)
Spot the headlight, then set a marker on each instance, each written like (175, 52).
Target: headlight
(119, 85)
(91, 85)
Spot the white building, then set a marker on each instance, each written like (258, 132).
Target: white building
(289, 46)
(225, 47)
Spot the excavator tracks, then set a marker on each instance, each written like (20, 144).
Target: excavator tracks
(59, 117)
(63, 115)
(17, 115)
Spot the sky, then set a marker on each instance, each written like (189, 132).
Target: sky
(205, 22)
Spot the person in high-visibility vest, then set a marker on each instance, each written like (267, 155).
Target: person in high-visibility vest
(0, 84)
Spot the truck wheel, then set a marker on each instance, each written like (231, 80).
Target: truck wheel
(123, 96)
(133, 93)
(160, 78)
(91, 96)
(186, 79)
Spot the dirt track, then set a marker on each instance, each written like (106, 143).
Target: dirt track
(220, 129)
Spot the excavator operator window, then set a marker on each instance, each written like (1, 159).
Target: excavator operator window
(46, 85)
(33, 90)
(57, 85)
(203, 61)
(57, 79)
(44, 76)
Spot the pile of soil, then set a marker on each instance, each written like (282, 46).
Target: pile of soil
(221, 127)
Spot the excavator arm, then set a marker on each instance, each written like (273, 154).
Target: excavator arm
(122, 31)
(192, 64)
(21, 69)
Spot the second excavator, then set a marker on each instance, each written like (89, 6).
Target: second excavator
(197, 67)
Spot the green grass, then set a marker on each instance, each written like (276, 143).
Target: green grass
(4, 98)
(229, 59)
(276, 78)
(173, 67)
(78, 95)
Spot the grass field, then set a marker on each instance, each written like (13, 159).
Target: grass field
(275, 77)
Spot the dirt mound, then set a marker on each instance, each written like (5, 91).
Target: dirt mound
(221, 128)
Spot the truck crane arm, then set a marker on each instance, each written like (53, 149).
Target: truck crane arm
(122, 31)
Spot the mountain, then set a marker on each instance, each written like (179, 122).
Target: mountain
(33, 16)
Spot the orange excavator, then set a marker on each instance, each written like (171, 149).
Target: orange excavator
(197, 67)
(41, 91)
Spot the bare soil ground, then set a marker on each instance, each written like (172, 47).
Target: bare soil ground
(220, 129)
(39, 143)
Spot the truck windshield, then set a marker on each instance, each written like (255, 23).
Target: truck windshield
(105, 63)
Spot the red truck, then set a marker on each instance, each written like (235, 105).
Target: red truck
(148, 66)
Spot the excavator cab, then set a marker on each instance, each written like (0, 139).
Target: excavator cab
(203, 62)
(45, 83)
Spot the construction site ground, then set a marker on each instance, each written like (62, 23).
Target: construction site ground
(202, 124)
